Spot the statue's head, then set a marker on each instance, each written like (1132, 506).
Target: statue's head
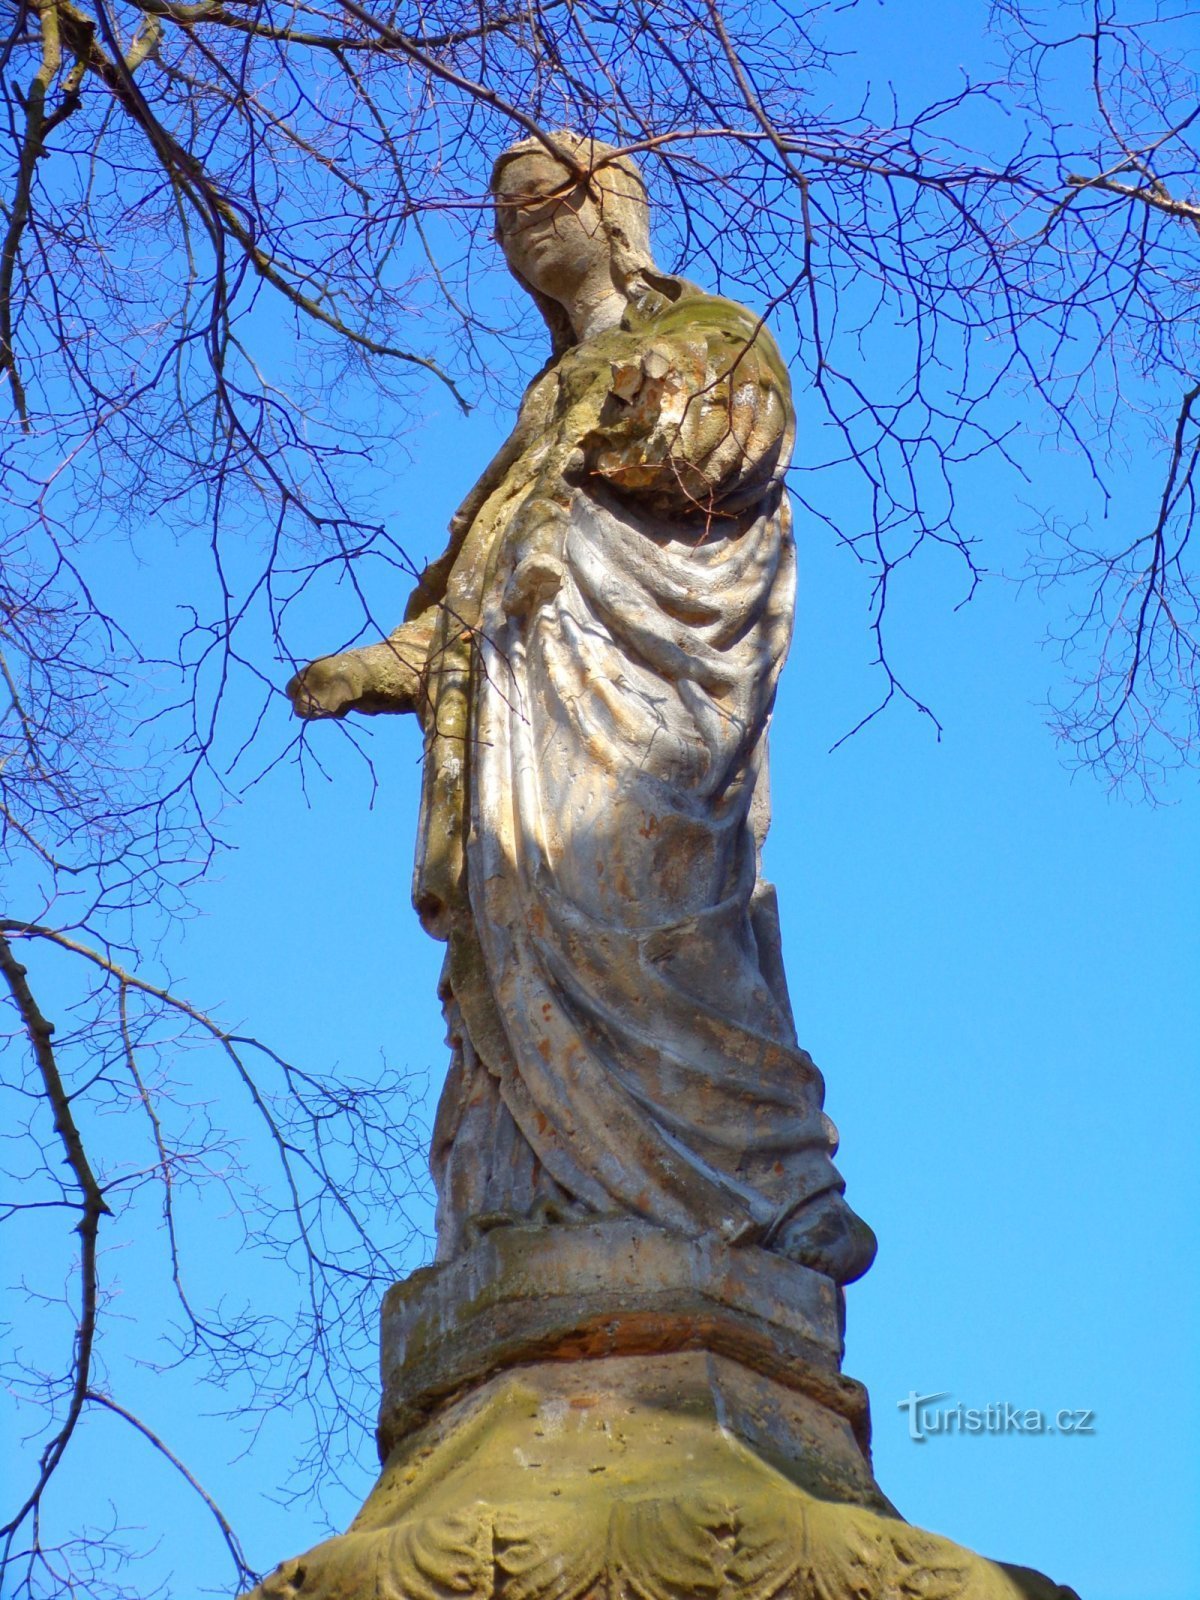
(562, 219)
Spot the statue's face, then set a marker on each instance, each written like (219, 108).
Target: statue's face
(549, 227)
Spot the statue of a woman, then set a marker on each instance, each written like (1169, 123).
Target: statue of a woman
(594, 661)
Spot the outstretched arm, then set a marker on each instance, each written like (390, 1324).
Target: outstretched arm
(385, 677)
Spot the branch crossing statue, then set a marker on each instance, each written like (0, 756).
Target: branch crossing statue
(622, 1374)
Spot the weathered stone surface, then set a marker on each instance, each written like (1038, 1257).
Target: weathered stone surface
(575, 1292)
(608, 1410)
(629, 1477)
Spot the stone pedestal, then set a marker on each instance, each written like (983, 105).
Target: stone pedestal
(609, 1410)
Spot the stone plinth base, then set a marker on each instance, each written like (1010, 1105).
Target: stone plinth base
(627, 1417)
(580, 1292)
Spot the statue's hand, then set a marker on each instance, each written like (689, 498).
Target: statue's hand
(643, 379)
(327, 687)
(534, 553)
(538, 578)
(697, 418)
(378, 678)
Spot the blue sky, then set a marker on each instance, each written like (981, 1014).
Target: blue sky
(994, 963)
(995, 966)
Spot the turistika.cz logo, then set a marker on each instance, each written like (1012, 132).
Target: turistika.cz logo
(927, 1419)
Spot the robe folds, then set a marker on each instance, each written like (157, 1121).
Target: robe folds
(596, 797)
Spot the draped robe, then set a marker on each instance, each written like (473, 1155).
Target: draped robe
(596, 797)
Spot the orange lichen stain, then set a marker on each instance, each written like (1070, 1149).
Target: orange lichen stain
(546, 1009)
(544, 1049)
(649, 827)
(584, 1402)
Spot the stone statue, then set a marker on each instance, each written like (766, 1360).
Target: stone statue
(594, 662)
(622, 1376)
